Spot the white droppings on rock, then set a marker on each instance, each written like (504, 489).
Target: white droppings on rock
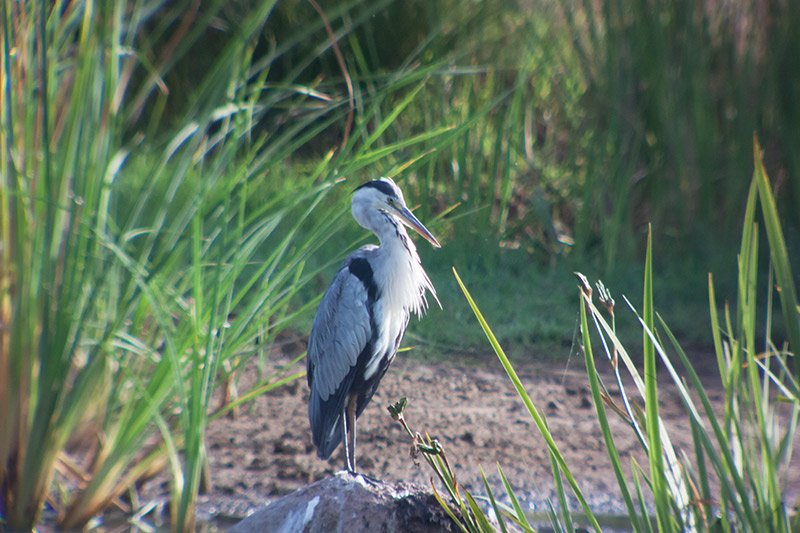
(290, 524)
(310, 506)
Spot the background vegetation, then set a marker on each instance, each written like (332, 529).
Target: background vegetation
(176, 176)
(745, 448)
(604, 117)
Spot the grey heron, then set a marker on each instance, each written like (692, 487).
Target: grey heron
(363, 316)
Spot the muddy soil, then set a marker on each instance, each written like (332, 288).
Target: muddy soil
(471, 407)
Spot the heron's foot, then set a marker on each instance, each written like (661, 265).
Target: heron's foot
(367, 479)
(360, 477)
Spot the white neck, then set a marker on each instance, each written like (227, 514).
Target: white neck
(400, 275)
(397, 269)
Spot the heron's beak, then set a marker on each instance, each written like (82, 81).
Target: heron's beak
(408, 218)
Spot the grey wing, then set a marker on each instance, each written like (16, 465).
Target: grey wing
(340, 332)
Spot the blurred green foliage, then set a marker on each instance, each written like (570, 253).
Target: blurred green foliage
(588, 121)
(604, 116)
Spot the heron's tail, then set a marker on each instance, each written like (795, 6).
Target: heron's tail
(327, 424)
(326, 444)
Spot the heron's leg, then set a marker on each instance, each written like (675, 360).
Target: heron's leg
(346, 442)
(350, 433)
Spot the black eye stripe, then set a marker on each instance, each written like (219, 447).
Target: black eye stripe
(382, 186)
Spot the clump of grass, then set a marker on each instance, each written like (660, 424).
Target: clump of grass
(672, 95)
(131, 284)
(113, 309)
(745, 451)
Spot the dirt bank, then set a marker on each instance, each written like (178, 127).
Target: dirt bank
(473, 410)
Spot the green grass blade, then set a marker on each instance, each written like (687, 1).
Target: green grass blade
(719, 452)
(553, 516)
(702, 473)
(482, 522)
(655, 450)
(640, 496)
(566, 512)
(392, 117)
(602, 419)
(537, 418)
(449, 511)
(779, 254)
(521, 519)
(492, 500)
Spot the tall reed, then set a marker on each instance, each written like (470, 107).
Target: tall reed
(745, 450)
(150, 246)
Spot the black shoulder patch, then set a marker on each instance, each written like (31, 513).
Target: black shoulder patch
(360, 268)
(382, 186)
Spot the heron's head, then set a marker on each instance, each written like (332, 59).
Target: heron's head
(385, 196)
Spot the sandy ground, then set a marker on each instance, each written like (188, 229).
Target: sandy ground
(470, 407)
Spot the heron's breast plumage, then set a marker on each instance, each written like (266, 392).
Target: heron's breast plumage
(402, 284)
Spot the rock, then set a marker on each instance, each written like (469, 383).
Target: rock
(351, 503)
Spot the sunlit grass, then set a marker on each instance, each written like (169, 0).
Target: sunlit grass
(129, 292)
(744, 452)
